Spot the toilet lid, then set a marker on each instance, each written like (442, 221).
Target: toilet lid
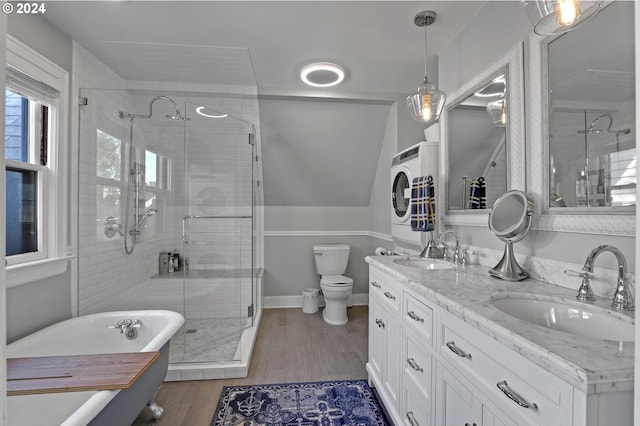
(336, 280)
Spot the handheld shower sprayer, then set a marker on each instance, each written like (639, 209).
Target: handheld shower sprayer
(145, 215)
(137, 228)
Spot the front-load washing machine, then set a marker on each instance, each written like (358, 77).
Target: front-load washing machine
(415, 161)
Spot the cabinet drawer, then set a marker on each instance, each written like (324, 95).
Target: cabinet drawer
(419, 317)
(416, 362)
(417, 405)
(513, 383)
(385, 289)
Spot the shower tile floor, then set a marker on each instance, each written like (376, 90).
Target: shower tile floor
(208, 340)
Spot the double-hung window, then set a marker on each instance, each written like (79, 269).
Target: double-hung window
(27, 137)
(35, 152)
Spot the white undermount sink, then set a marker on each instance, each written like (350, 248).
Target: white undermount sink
(424, 263)
(569, 316)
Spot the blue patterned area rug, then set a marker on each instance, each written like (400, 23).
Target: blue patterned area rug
(350, 402)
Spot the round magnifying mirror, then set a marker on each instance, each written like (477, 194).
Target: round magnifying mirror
(510, 220)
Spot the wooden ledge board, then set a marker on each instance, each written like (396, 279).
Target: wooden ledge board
(74, 373)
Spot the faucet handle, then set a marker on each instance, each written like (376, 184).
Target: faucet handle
(585, 293)
(579, 274)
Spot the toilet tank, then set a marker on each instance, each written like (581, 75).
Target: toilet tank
(331, 259)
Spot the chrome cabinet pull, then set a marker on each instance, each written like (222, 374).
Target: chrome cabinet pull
(412, 419)
(504, 387)
(456, 350)
(380, 323)
(414, 317)
(389, 295)
(375, 284)
(469, 424)
(412, 363)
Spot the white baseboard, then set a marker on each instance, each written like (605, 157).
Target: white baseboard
(296, 301)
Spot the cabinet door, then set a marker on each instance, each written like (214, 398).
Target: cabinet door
(495, 419)
(455, 403)
(376, 338)
(393, 356)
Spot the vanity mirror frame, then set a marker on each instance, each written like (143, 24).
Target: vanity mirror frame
(512, 64)
(601, 220)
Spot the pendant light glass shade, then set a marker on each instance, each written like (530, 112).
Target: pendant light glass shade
(497, 110)
(427, 103)
(554, 17)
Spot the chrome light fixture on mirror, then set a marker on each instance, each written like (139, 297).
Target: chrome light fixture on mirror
(427, 102)
(554, 17)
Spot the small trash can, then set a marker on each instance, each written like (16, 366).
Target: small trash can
(310, 300)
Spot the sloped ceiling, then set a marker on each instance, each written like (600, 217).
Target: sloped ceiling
(320, 153)
(320, 147)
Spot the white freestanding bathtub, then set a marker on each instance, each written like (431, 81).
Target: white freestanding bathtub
(95, 334)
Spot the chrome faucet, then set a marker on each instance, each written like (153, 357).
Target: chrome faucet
(456, 253)
(125, 324)
(622, 298)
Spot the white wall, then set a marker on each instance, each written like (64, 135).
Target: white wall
(291, 231)
(380, 202)
(39, 304)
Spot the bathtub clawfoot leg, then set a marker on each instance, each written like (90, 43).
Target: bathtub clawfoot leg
(156, 410)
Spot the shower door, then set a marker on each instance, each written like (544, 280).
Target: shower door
(217, 234)
(195, 180)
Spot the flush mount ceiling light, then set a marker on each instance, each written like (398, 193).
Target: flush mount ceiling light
(426, 104)
(554, 17)
(200, 110)
(322, 74)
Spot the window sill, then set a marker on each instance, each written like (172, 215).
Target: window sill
(25, 273)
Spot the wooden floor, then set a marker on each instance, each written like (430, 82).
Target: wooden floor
(291, 347)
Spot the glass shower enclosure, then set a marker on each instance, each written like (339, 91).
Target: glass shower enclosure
(167, 214)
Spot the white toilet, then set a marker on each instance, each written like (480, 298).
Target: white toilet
(331, 263)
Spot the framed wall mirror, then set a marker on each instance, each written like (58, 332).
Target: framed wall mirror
(483, 130)
(582, 132)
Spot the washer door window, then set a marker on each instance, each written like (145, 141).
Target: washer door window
(399, 201)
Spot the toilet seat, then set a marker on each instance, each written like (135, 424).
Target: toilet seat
(335, 280)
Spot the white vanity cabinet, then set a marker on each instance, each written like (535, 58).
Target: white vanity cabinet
(432, 368)
(384, 339)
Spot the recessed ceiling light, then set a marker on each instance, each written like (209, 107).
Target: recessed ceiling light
(201, 108)
(322, 74)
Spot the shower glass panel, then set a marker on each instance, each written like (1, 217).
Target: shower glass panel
(177, 181)
(592, 158)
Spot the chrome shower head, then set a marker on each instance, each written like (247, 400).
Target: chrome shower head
(176, 116)
(592, 131)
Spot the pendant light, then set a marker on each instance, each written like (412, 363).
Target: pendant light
(554, 17)
(497, 110)
(427, 102)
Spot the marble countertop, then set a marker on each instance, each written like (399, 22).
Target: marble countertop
(590, 365)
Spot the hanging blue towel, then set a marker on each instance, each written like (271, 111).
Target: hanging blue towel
(478, 194)
(423, 204)
(483, 192)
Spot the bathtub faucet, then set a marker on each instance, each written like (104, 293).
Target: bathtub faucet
(125, 324)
